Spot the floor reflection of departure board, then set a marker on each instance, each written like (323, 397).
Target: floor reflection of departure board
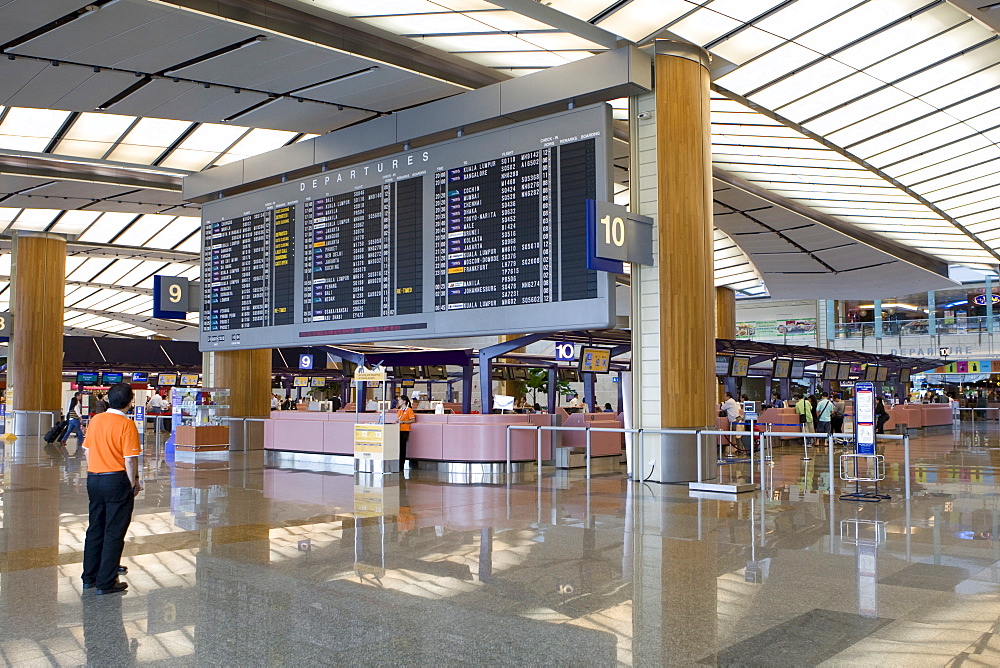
(471, 236)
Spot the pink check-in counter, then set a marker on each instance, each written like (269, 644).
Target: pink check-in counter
(602, 443)
(918, 416)
(442, 438)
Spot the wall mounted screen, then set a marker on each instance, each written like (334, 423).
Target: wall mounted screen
(782, 368)
(798, 368)
(831, 370)
(741, 367)
(443, 240)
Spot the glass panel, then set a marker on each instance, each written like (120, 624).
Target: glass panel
(802, 83)
(946, 152)
(193, 161)
(379, 7)
(107, 226)
(89, 269)
(28, 129)
(143, 229)
(832, 95)
(928, 143)
(35, 220)
(857, 116)
(951, 71)
(968, 174)
(559, 41)
(75, 222)
(902, 36)
(146, 141)
(914, 177)
(861, 20)
(704, 26)
(799, 17)
(256, 142)
(141, 272)
(190, 245)
(479, 42)
(743, 10)
(929, 52)
(977, 105)
(433, 24)
(90, 126)
(525, 59)
(113, 272)
(175, 232)
(972, 185)
(898, 137)
(989, 205)
(581, 9)
(767, 68)
(640, 18)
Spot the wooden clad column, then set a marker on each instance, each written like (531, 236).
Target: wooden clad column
(687, 299)
(725, 313)
(36, 347)
(247, 374)
(508, 387)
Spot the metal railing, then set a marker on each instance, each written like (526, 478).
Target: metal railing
(698, 434)
(983, 413)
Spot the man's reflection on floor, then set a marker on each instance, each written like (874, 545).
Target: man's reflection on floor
(104, 631)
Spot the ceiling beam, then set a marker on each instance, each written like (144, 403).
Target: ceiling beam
(553, 17)
(88, 170)
(307, 22)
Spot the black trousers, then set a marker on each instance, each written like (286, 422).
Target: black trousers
(404, 436)
(111, 504)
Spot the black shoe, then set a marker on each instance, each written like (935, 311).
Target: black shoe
(116, 588)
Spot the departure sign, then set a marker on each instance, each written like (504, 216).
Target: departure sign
(446, 240)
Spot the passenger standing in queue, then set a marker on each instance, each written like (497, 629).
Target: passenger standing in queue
(804, 410)
(73, 416)
(881, 416)
(839, 409)
(405, 417)
(824, 415)
(112, 484)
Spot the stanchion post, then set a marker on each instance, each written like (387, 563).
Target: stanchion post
(829, 456)
(588, 455)
(538, 439)
(751, 464)
(697, 444)
(507, 470)
(906, 466)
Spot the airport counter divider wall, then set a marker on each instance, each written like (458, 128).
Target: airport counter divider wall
(444, 438)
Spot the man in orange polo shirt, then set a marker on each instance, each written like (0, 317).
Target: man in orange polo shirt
(112, 483)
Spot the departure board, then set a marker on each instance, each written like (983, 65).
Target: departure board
(477, 235)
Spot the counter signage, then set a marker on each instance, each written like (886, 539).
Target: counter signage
(167, 379)
(6, 324)
(615, 236)
(565, 352)
(139, 415)
(595, 360)
(300, 381)
(417, 244)
(864, 412)
(375, 375)
(189, 380)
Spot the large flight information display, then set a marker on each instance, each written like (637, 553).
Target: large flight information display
(478, 235)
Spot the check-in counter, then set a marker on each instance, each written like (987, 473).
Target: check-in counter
(445, 438)
(781, 419)
(601, 443)
(918, 416)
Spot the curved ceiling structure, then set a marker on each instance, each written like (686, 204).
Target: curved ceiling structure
(879, 117)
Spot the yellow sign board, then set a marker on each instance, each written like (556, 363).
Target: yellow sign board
(363, 375)
(376, 441)
(595, 360)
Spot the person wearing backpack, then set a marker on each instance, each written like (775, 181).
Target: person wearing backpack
(824, 414)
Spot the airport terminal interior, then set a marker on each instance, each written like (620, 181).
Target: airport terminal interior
(607, 250)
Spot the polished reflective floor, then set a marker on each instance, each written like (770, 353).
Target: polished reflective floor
(261, 565)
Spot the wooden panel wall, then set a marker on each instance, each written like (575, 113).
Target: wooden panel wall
(247, 373)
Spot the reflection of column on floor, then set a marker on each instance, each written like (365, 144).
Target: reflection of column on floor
(29, 580)
(675, 611)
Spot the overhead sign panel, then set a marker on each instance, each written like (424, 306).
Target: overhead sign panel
(615, 236)
(446, 240)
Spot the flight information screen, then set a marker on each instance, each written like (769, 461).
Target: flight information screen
(477, 235)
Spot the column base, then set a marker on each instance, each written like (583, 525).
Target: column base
(679, 458)
(32, 423)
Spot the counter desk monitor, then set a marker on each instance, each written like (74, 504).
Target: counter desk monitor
(167, 379)
(781, 369)
(300, 381)
(189, 380)
(438, 372)
(882, 374)
(844, 372)
(871, 373)
(741, 367)
(412, 372)
(798, 369)
(904, 375)
(140, 377)
(519, 373)
(478, 230)
(317, 381)
(723, 364)
(112, 378)
(87, 378)
(569, 374)
(595, 360)
(499, 373)
(831, 370)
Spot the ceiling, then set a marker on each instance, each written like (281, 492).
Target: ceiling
(879, 117)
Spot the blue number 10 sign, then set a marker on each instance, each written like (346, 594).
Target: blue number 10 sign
(565, 352)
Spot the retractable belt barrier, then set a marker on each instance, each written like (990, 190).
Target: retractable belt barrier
(698, 433)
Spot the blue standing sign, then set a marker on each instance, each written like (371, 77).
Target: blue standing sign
(864, 415)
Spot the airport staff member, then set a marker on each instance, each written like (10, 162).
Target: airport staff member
(112, 484)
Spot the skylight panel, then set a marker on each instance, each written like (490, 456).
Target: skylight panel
(862, 20)
(978, 65)
(704, 26)
(383, 7)
(935, 156)
(75, 222)
(178, 230)
(105, 228)
(213, 137)
(141, 272)
(35, 220)
(746, 44)
(825, 99)
(116, 270)
(929, 52)
(143, 229)
(25, 129)
(190, 245)
(990, 153)
(148, 139)
(882, 121)
(256, 142)
(640, 18)
(767, 68)
(900, 136)
(799, 17)
(581, 9)
(859, 112)
(524, 58)
(899, 37)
